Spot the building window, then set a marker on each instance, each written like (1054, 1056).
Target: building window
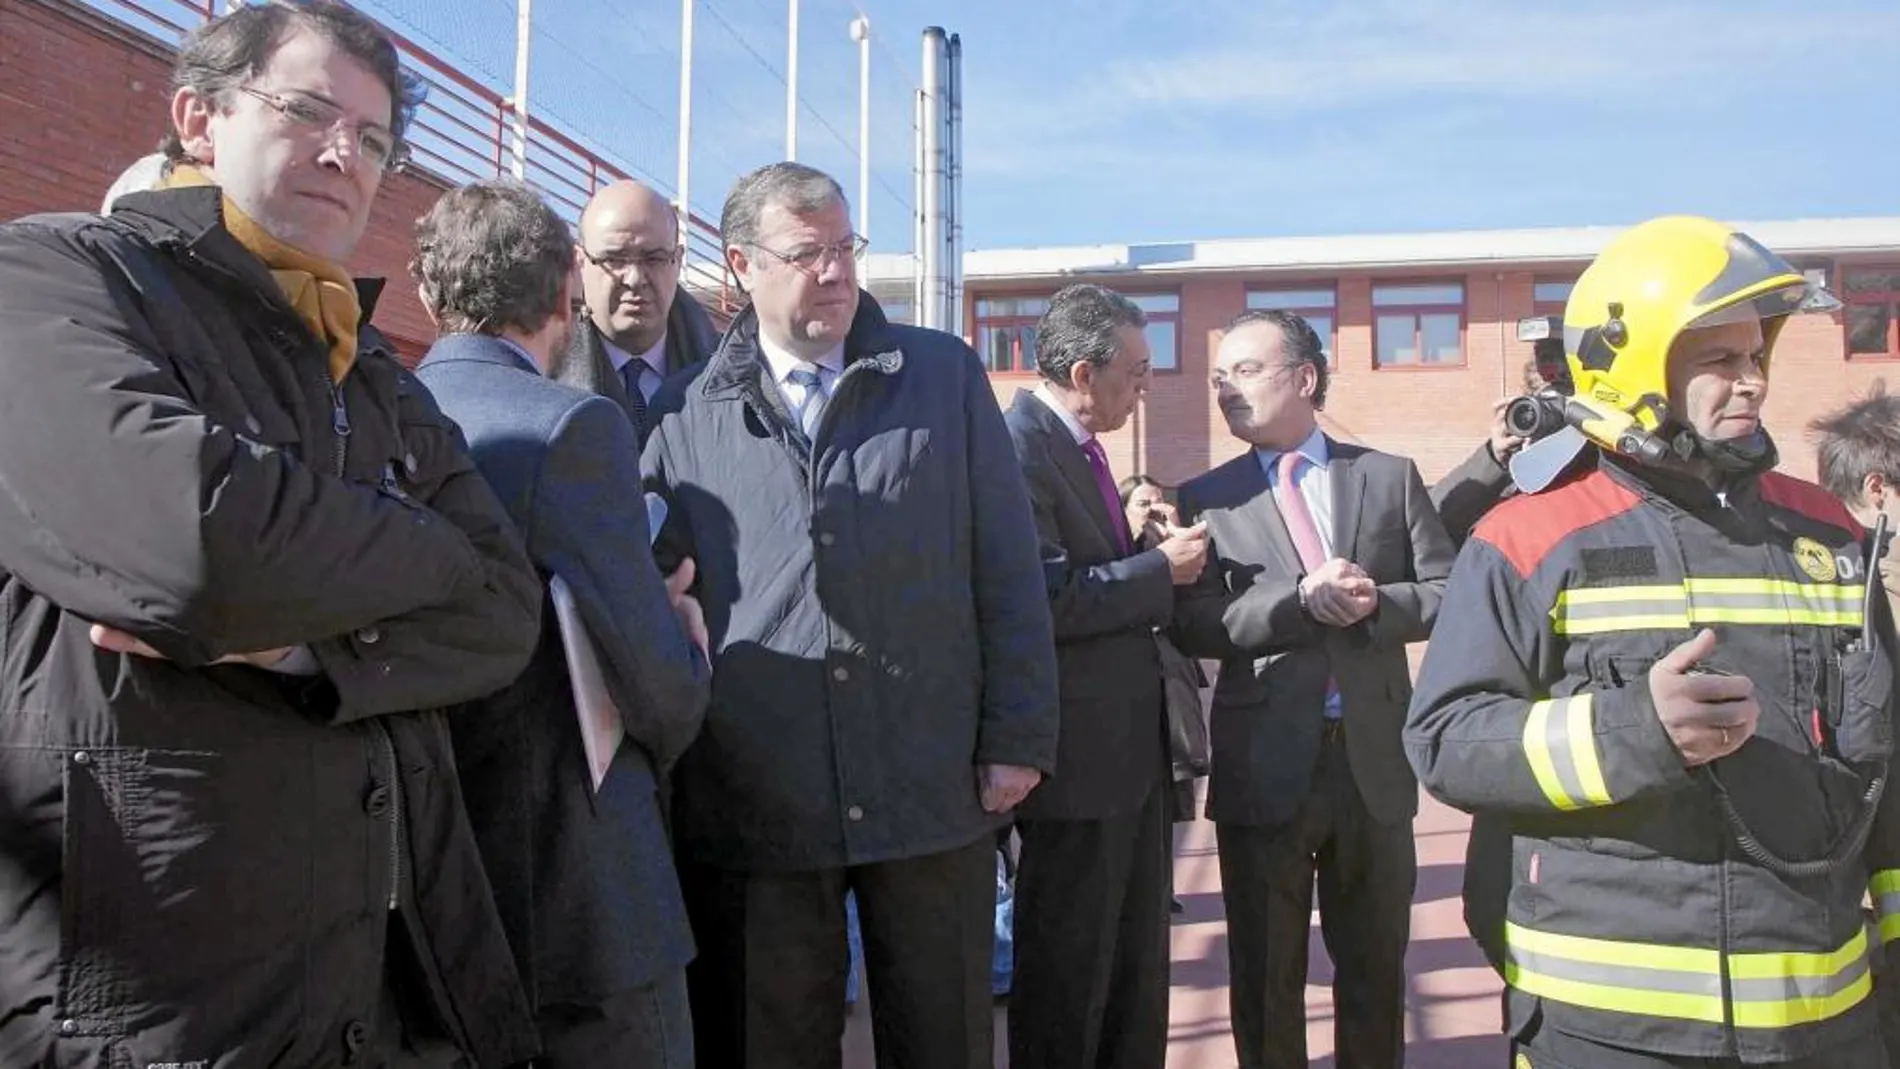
(896, 311)
(1164, 328)
(1872, 297)
(1419, 324)
(1316, 306)
(1006, 332)
(1548, 296)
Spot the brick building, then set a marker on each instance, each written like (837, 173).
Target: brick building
(1421, 328)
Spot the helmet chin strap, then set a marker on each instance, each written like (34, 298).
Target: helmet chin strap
(1734, 456)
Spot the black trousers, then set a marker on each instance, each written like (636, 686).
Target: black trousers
(1366, 872)
(768, 986)
(1091, 987)
(1553, 1050)
(649, 1027)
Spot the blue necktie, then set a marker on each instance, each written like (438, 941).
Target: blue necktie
(813, 405)
(631, 373)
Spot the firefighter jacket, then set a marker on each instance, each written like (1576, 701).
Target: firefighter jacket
(1641, 912)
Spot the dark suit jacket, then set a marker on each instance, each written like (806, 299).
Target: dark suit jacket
(585, 881)
(690, 340)
(1268, 708)
(1106, 607)
(1470, 490)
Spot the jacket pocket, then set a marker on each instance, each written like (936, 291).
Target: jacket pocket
(182, 883)
(1865, 734)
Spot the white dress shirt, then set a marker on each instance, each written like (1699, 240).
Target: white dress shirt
(1048, 397)
(782, 363)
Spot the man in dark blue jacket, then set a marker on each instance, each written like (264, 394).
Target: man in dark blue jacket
(884, 686)
(579, 857)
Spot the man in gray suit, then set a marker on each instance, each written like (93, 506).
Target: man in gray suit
(641, 326)
(583, 873)
(1325, 559)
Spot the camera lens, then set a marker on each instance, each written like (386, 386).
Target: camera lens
(1525, 416)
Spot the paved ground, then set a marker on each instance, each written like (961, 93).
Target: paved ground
(1451, 1005)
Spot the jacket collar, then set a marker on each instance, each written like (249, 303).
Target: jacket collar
(478, 349)
(1676, 488)
(736, 368)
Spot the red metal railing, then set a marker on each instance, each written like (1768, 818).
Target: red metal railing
(464, 132)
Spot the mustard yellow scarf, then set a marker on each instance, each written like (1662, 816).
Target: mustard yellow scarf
(321, 292)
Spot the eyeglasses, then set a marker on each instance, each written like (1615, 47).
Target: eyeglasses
(813, 258)
(1246, 373)
(380, 148)
(619, 263)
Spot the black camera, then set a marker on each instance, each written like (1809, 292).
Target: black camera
(1535, 415)
(1540, 411)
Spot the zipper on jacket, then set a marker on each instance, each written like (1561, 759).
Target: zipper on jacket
(391, 487)
(339, 421)
(388, 749)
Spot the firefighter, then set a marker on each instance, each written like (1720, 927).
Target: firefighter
(1660, 673)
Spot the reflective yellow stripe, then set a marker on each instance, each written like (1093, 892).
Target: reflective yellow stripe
(1803, 1010)
(1560, 744)
(1614, 951)
(1697, 601)
(1765, 990)
(1884, 889)
(1798, 963)
(1812, 987)
(1821, 592)
(1706, 1008)
(1617, 595)
(1889, 927)
(1661, 622)
(1589, 610)
(1583, 750)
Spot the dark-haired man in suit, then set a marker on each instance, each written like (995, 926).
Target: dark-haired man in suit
(1325, 559)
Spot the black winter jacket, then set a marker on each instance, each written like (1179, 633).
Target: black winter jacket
(201, 864)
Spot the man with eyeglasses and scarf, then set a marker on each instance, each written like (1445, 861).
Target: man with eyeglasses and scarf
(242, 558)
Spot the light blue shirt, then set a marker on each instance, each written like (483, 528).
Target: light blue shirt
(1317, 491)
(654, 359)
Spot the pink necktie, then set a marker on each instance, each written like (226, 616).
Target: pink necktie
(1299, 524)
(1299, 518)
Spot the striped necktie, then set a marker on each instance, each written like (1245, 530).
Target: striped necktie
(813, 405)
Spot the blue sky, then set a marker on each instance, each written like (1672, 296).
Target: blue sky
(1123, 120)
(1132, 120)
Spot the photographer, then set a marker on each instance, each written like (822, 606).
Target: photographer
(1464, 495)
